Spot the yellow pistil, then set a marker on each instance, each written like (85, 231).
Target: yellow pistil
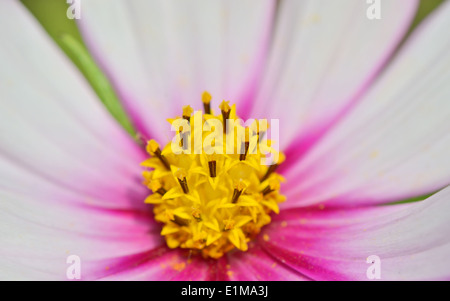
(212, 204)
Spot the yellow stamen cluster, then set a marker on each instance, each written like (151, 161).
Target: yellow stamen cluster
(211, 203)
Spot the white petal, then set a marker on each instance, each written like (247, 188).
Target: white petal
(394, 144)
(163, 54)
(411, 240)
(324, 55)
(69, 175)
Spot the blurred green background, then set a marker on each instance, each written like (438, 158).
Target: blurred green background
(426, 6)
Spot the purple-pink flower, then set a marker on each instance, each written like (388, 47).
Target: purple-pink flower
(364, 122)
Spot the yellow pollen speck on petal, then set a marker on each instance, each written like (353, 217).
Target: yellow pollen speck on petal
(213, 203)
(284, 224)
(179, 266)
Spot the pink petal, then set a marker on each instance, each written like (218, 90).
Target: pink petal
(164, 54)
(256, 265)
(395, 143)
(69, 175)
(324, 56)
(61, 131)
(411, 240)
(161, 264)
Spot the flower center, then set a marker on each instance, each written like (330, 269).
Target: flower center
(217, 199)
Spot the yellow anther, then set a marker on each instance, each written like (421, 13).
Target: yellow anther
(187, 112)
(213, 157)
(206, 97)
(146, 174)
(272, 168)
(247, 134)
(224, 106)
(180, 174)
(228, 224)
(274, 184)
(169, 214)
(156, 187)
(261, 126)
(281, 158)
(245, 145)
(196, 213)
(225, 109)
(240, 185)
(154, 150)
(152, 147)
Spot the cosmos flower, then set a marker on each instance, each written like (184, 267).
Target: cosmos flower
(363, 123)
